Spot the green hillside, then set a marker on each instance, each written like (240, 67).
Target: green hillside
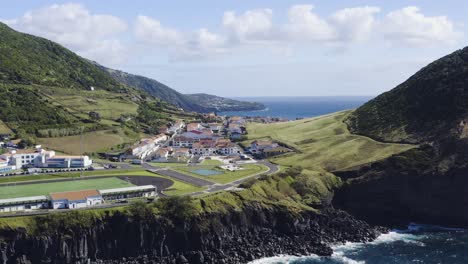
(46, 97)
(26, 59)
(323, 142)
(429, 105)
(189, 102)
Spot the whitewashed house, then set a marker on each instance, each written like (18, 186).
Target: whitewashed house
(74, 200)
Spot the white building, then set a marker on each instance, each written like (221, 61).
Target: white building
(183, 141)
(41, 158)
(128, 192)
(23, 203)
(25, 157)
(146, 146)
(73, 200)
(204, 148)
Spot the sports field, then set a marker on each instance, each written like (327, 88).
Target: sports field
(14, 191)
(324, 142)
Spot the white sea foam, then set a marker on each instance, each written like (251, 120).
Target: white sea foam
(340, 251)
(282, 259)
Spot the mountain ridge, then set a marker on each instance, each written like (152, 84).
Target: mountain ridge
(199, 102)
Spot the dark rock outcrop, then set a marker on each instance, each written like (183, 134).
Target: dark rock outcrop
(237, 237)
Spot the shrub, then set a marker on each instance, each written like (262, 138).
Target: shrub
(176, 208)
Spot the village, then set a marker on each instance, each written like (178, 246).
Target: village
(194, 144)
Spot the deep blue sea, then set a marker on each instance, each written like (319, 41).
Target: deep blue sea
(299, 107)
(418, 244)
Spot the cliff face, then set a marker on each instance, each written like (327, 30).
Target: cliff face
(426, 185)
(237, 237)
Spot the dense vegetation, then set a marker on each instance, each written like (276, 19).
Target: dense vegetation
(26, 59)
(23, 107)
(429, 105)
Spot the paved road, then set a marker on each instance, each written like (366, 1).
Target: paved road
(272, 168)
(177, 175)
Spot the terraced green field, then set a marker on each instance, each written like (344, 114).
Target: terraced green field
(323, 142)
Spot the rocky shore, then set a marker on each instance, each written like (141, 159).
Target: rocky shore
(234, 237)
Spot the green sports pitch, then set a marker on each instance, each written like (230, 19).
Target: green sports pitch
(14, 191)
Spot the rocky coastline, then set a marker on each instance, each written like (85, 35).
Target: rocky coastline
(234, 237)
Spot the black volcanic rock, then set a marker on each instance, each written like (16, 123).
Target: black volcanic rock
(235, 237)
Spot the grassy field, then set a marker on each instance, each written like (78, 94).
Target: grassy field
(4, 129)
(92, 142)
(178, 188)
(109, 105)
(227, 176)
(323, 142)
(46, 188)
(211, 162)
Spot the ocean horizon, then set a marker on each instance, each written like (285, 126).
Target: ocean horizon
(293, 107)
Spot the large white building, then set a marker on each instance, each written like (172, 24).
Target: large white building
(40, 158)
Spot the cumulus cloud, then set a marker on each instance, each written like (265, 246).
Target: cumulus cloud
(151, 30)
(182, 45)
(305, 25)
(409, 26)
(250, 26)
(73, 26)
(354, 24)
(98, 36)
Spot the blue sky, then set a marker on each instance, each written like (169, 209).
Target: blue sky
(253, 48)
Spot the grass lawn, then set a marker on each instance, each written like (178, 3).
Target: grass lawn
(227, 176)
(324, 142)
(211, 162)
(92, 142)
(46, 188)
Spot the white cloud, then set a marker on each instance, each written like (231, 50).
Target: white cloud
(409, 26)
(181, 45)
(151, 30)
(306, 25)
(73, 26)
(250, 26)
(354, 24)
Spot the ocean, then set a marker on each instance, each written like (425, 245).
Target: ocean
(418, 244)
(300, 107)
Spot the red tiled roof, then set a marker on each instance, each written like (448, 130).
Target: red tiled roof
(74, 196)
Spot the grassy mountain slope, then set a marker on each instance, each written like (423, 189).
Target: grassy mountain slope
(189, 102)
(156, 89)
(324, 142)
(26, 59)
(426, 184)
(429, 105)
